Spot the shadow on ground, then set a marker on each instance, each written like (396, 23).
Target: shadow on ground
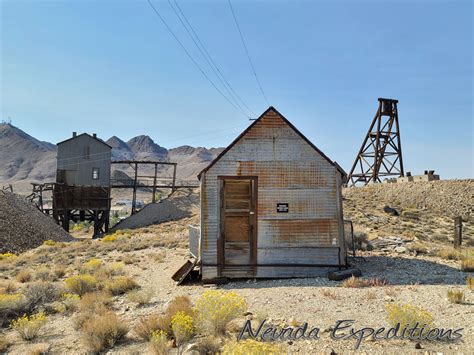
(398, 271)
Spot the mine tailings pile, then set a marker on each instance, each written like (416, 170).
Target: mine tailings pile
(24, 227)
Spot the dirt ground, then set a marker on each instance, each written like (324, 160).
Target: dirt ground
(421, 281)
(153, 253)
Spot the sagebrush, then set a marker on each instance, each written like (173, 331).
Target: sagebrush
(216, 308)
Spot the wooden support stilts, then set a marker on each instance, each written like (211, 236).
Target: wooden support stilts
(153, 199)
(174, 178)
(134, 198)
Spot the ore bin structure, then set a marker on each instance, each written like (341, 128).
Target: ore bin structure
(82, 188)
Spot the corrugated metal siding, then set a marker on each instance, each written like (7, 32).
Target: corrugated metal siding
(78, 167)
(289, 171)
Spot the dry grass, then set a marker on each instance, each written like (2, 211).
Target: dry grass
(39, 349)
(43, 274)
(140, 297)
(208, 345)
(39, 293)
(59, 271)
(456, 296)
(81, 284)
(159, 257)
(91, 304)
(419, 248)
(180, 304)
(391, 292)
(153, 323)
(456, 254)
(355, 282)
(103, 331)
(376, 282)
(371, 295)
(120, 285)
(329, 294)
(24, 276)
(4, 343)
(8, 287)
(467, 265)
(470, 283)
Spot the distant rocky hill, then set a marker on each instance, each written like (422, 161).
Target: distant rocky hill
(25, 159)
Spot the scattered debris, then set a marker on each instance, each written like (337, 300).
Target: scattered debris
(387, 243)
(344, 274)
(391, 210)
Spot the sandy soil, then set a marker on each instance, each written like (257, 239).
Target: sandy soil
(420, 281)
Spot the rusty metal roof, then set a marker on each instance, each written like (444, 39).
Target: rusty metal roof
(271, 108)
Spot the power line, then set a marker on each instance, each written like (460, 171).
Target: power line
(205, 53)
(191, 58)
(247, 52)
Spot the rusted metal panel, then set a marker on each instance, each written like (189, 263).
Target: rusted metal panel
(291, 271)
(299, 255)
(289, 171)
(292, 233)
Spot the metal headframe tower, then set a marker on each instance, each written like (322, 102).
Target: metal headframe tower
(380, 155)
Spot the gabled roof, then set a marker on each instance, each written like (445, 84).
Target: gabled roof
(85, 134)
(271, 108)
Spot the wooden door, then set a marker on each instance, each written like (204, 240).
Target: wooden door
(238, 226)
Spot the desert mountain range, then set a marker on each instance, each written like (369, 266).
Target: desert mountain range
(25, 159)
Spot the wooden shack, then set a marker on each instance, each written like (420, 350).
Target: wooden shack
(271, 206)
(82, 188)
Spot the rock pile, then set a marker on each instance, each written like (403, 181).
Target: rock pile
(181, 204)
(451, 198)
(23, 226)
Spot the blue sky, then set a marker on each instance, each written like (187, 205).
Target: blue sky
(111, 67)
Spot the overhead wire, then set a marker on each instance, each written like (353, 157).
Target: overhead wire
(248, 54)
(192, 59)
(205, 53)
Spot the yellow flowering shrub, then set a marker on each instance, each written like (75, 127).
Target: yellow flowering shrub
(408, 315)
(10, 301)
(252, 347)
(119, 235)
(109, 238)
(117, 268)
(183, 327)
(92, 265)
(81, 284)
(8, 256)
(159, 344)
(216, 308)
(29, 326)
(50, 243)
